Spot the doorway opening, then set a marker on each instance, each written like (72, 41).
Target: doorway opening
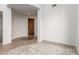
(31, 28)
(1, 27)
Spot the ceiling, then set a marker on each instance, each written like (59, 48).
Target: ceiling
(24, 9)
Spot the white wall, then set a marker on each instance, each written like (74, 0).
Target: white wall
(77, 25)
(40, 27)
(77, 31)
(35, 26)
(58, 23)
(7, 19)
(19, 26)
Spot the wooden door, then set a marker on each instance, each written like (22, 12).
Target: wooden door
(30, 26)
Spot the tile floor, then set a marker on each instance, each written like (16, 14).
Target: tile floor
(57, 48)
(17, 43)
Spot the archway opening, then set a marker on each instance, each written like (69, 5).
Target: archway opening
(21, 13)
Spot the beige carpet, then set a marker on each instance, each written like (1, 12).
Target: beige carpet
(43, 48)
